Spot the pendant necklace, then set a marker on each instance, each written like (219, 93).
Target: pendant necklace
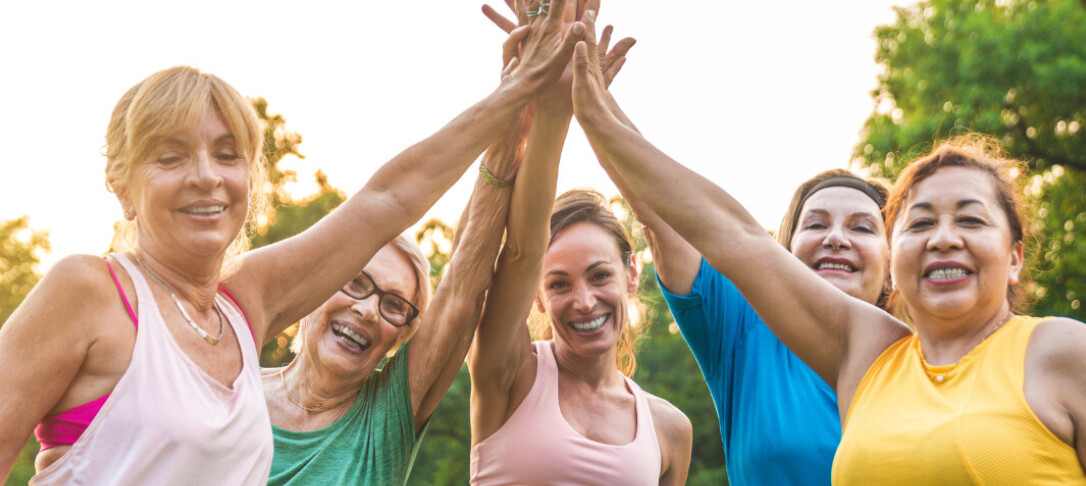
(199, 330)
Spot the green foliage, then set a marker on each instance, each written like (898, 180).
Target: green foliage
(1012, 69)
(20, 254)
(288, 216)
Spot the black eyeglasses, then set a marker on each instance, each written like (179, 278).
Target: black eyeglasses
(397, 310)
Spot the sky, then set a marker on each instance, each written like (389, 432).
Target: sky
(755, 96)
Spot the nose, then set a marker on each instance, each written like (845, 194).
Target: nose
(944, 237)
(366, 308)
(205, 174)
(583, 298)
(836, 238)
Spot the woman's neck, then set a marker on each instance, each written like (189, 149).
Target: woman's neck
(596, 372)
(312, 388)
(193, 280)
(946, 341)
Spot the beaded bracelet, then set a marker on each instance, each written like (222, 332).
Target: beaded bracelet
(492, 180)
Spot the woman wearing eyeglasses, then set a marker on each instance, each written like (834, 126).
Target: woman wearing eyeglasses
(367, 375)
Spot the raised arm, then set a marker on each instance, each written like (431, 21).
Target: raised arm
(280, 283)
(836, 335)
(501, 363)
(439, 347)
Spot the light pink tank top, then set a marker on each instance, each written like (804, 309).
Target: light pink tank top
(537, 446)
(167, 421)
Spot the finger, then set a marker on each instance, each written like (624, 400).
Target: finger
(511, 46)
(622, 47)
(512, 6)
(581, 8)
(556, 11)
(510, 66)
(574, 35)
(521, 8)
(605, 40)
(589, 21)
(612, 70)
(498, 19)
(580, 63)
(593, 5)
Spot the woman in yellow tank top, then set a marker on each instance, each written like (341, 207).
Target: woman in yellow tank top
(977, 395)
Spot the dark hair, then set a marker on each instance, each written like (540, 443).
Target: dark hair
(974, 151)
(586, 205)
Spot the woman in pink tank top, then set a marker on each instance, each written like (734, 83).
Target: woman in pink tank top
(563, 410)
(98, 352)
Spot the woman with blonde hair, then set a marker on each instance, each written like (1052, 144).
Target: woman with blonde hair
(141, 367)
(978, 394)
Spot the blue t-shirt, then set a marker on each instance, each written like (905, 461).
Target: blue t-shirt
(778, 419)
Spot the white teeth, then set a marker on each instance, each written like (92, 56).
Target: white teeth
(346, 332)
(947, 273)
(835, 266)
(589, 326)
(204, 210)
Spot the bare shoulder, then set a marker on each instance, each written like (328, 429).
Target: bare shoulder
(668, 418)
(1058, 342)
(79, 280)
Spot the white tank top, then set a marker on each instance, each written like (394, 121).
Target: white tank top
(167, 421)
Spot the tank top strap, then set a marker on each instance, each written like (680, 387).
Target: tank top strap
(144, 296)
(646, 426)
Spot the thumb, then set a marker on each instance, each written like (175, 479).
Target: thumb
(580, 61)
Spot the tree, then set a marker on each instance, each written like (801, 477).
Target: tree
(1012, 69)
(20, 253)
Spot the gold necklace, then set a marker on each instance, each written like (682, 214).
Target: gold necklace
(199, 330)
(286, 390)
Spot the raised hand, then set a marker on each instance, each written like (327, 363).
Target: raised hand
(590, 98)
(547, 49)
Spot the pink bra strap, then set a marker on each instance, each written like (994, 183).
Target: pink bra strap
(124, 297)
(243, 314)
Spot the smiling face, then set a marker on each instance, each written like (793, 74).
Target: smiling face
(348, 336)
(953, 255)
(191, 193)
(841, 236)
(584, 289)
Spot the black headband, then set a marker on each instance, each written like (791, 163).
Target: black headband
(847, 181)
(841, 181)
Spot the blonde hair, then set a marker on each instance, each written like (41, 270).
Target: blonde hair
(587, 205)
(420, 266)
(173, 99)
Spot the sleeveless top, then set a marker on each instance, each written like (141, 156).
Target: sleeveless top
(537, 446)
(964, 423)
(65, 427)
(167, 421)
(370, 444)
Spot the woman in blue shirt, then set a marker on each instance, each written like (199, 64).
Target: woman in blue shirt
(778, 419)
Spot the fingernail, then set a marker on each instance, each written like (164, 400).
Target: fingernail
(578, 28)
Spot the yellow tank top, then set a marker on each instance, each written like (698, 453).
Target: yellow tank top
(911, 423)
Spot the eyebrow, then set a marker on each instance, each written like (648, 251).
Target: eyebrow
(565, 273)
(855, 214)
(960, 204)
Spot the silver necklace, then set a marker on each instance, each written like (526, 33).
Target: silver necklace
(199, 330)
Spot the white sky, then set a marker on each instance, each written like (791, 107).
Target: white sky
(756, 96)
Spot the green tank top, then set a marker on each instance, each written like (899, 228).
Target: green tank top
(371, 444)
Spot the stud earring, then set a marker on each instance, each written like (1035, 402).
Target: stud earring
(129, 214)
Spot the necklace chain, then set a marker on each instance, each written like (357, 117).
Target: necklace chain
(286, 390)
(199, 330)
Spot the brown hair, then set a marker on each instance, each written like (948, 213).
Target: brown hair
(787, 230)
(177, 98)
(974, 151)
(586, 205)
